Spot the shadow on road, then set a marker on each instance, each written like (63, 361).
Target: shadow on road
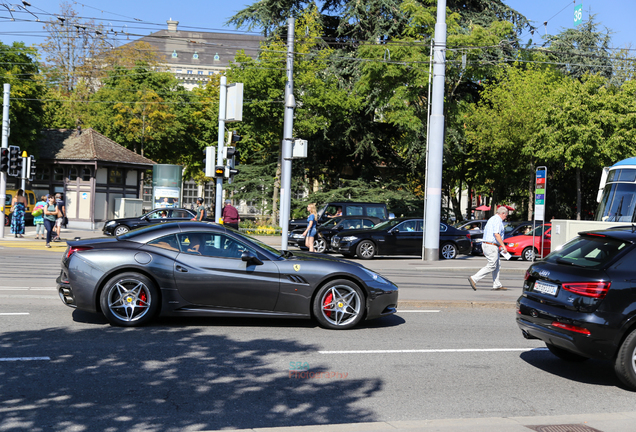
(596, 372)
(169, 378)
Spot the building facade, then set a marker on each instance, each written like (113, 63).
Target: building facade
(91, 171)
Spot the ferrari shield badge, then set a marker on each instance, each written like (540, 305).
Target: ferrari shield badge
(297, 267)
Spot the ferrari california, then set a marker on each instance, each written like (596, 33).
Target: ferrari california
(206, 269)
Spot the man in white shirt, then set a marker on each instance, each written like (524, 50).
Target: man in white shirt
(492, 240)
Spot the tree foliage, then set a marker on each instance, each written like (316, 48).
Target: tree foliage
(19, 68)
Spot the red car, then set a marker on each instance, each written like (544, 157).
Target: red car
(521, 245)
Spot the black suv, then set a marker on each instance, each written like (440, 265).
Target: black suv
(330, 210)
(581, 300)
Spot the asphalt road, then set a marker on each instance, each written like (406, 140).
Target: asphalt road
(62, 369)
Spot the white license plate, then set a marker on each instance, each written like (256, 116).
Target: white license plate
(546, 287)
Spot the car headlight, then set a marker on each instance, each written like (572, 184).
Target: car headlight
(297, 236)
(512, 245)
(376, 277)
(349, 238)
(111, 223)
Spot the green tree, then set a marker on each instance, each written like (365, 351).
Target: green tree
(504, 128)
(70, 46)
(19, 67)
(576, 125)
(582, 50)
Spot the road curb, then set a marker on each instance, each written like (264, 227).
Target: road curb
(472, 269)
(422, 304)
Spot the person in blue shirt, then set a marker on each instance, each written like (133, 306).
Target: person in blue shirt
(492, 240)
(311, 231)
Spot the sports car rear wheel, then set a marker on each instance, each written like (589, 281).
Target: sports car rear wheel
(129, 299)
(121, 229)
(339, 305)
(625, 365)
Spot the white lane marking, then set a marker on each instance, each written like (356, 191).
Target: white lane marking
(421, 311)
(464, 350)
(24, 358)
(13, 313)
(28, 289)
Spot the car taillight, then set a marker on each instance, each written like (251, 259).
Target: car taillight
(71, 250)
(588, 289)
(527, 275)
(468, 236)
(571, 327)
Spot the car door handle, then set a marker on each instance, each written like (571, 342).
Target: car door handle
(182, 269)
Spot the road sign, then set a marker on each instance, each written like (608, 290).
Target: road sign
(578, 14)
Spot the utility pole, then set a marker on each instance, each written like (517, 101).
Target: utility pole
(436, 149)
(5, 144)
(288, 127)
(218, 209)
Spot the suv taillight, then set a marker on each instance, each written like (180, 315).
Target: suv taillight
(588, 289)
(71, 250)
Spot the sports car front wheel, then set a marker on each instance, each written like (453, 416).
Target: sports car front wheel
(339, 305)
(129, 300)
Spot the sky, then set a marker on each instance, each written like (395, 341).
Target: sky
(142, 17)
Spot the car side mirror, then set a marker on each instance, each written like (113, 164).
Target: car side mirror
(250, 258)
(339, 227)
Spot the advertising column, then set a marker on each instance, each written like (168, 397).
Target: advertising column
(166, 186)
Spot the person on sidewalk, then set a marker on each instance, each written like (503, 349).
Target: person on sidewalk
(200, 211)
(61, 212)
(38, 218)
(18, 206)
(492, 240)
(50, 215)
(230, 215)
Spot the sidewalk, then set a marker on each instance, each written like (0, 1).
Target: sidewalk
(612, 422)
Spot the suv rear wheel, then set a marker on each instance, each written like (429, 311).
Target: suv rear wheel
(625, 365)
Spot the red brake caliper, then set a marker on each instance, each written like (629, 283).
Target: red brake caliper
(326, 303)
(143, 298)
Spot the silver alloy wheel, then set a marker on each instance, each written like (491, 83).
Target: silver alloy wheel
(340, 305)
(129, 300)
(366, 249)
(121, 229)
(528, 254)
(320, 245)
(449, 251)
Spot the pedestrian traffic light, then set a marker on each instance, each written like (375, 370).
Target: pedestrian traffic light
(4, 159)
(30, 168)
(209, 161)
(219, 171)
(235, 137)
(15, 164)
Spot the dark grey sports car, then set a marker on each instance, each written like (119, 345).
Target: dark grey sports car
(205, 269)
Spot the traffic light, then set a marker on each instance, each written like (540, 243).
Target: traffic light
(209, 161)
(4, 159)
(231, 157)
(20, 163)
(30, 168)
(219, 171)
(15, 162)
(235, 137)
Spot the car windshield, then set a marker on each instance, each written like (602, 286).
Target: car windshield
(331, 223)
(387, 224)
(589, 251)
(538, 230)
